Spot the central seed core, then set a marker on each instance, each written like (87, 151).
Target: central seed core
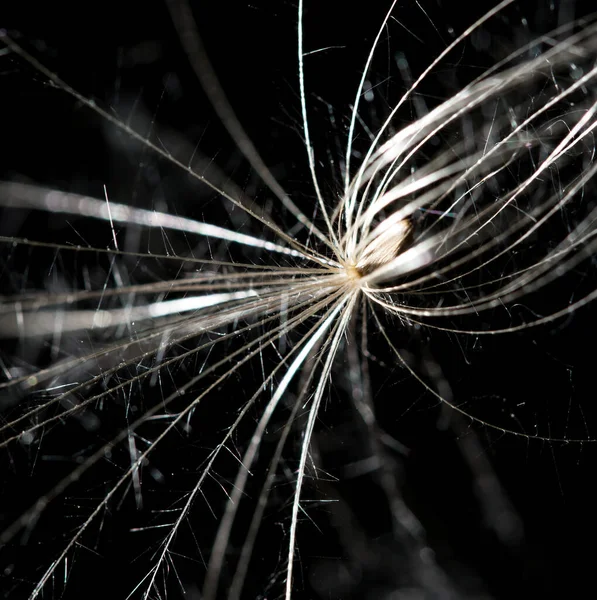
(382, 246)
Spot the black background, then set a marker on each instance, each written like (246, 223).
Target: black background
(127, 56)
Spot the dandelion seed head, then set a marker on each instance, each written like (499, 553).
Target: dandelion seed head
(221, 324)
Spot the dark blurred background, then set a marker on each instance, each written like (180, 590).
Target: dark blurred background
(530, 531)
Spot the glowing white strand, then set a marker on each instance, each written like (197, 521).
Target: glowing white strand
(55, 201)
(43, 323)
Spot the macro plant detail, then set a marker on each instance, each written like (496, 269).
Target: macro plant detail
(225, 338)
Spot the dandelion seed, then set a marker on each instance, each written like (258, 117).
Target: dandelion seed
(221, 343)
